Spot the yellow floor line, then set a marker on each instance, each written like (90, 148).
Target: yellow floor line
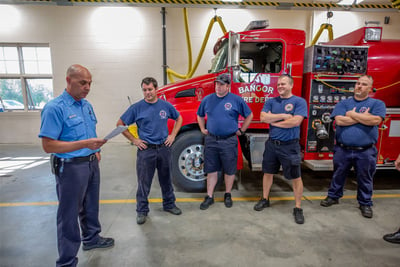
(184, 200)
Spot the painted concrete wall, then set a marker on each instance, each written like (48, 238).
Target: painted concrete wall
(121, 45)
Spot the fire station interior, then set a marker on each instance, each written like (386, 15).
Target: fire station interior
(121, 42)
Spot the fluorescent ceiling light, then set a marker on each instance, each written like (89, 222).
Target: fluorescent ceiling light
(349, 2)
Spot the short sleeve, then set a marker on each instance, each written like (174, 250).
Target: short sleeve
(174, 113)
(301, 108)
(379, 109)
(201, 109)
(51, 123)
(340, 109)
(267, 106)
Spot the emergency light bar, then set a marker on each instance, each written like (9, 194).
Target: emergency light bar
(373, 34)
(257, 24)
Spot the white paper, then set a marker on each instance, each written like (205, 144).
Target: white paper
(116, 131)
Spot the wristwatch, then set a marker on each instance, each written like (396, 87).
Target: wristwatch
(241, 132)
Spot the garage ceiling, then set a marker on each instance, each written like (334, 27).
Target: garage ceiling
(371, 5)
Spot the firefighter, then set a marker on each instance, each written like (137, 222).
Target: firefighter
(357, 121)
(66, 123)
(394, 237)
(284, 114)
(151, 115)
(221, 145)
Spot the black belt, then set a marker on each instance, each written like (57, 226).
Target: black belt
(221, 136)
(91, 157)
(279, 142)
(354, 147)
(155, 146)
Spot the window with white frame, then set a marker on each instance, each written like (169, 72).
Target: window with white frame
(26, 77)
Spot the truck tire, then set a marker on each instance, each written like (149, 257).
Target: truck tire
(187, 162)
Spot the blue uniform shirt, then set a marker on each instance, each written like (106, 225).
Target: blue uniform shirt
(293, 105)
(358, 134)
(66, 119)
(222, 113)
(151, 119)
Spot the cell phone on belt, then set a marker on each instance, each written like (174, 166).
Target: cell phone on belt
(53, 163)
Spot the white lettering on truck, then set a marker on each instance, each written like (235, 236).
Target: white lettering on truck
(255, 99)
(256, 88)
(261, 84)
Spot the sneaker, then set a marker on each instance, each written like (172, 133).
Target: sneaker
(298, 215)
(141, 219)
(175, 210)
(366, 211)
(261, 204)
(328, 201)
(228, 200)
(102, 242)
(208, 201)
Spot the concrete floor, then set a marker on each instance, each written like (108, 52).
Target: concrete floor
(239, 236)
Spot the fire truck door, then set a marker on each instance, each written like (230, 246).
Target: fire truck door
(259, 67)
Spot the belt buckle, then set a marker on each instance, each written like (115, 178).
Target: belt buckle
(92, 157)
(277, 142)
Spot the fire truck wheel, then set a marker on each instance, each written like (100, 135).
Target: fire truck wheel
(187, 162)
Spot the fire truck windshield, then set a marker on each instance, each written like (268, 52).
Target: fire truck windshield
(255, 57)
(220, 60)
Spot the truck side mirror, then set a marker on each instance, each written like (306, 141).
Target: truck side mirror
(236, 73)
(234, 55)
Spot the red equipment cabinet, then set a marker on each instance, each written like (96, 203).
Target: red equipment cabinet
(330, 74)
(332, 71)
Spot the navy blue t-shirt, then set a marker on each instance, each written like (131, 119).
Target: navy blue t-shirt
(293, 105)
(151, 119)
(358, 134)
(223, 113)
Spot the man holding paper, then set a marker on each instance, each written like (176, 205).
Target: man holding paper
(151, 115)
(119, 129)
(68, 130)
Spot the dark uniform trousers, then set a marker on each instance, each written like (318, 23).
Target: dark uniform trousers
(148, 160)
(364, 163)
(78, 185)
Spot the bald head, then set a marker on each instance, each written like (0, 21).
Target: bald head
(77, 69)
(369, 78)
(79, 80)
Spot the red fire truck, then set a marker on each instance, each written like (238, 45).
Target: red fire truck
(323, 75)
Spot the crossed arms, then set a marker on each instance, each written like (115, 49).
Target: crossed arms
(352, 117)
(282, 120)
